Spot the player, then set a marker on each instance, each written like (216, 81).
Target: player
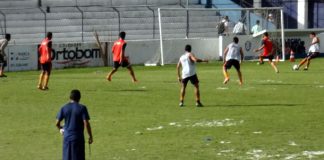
(76, 118)
(3, 58)
(267, 47)
(119, 58)
(187, 62)
(45, 59)
(233, 56)
(313, 51)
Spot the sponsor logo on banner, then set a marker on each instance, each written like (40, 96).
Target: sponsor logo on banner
(22, 58)
(76, 55)
(248, 45)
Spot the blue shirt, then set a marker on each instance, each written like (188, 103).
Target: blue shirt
(73, 114)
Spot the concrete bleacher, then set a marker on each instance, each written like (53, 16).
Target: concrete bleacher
(18, 3)
(26, 25)
(101, 19)
(139, 18)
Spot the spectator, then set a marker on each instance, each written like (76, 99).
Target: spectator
(222, 26)
(270, 17)
(239, 28)
(256, 28)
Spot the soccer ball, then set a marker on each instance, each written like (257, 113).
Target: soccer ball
(295, 67)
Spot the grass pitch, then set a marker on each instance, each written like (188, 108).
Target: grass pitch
(272, 116)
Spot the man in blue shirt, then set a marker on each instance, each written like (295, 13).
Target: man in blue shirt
(76, 118)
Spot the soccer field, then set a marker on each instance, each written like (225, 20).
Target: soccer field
(272, 116)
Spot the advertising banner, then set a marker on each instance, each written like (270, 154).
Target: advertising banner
(22, 57)
(76, 55)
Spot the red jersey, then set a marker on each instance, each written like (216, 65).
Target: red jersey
(117, 49)
(45, 51)
(267, 50)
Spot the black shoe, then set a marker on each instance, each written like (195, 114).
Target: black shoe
(198, 104)
(45, 88)
(181, 104)
(305, 69)
(4, 76)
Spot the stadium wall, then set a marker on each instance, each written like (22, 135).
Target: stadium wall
(68, 55)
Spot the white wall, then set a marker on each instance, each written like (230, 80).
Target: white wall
(25, 57)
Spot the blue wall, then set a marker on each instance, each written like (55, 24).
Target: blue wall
(316, 14)
(290, 10)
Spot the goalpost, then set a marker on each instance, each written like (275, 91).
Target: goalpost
(197, 26)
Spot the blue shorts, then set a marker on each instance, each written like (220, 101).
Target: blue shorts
(73, 150)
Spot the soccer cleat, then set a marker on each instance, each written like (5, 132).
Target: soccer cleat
(181, 104)
(45, 88)
(305, 69)
(198, 104)
(4, 76)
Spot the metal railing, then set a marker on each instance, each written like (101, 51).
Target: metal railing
(47, 12)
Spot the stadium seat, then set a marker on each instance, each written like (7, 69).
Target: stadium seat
(140, 22)
(53, 3)
(18, 3)
(94, 3)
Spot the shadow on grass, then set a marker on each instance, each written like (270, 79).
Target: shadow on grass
(254, 105)
(120, 90)
(131, 90)
(282, 84)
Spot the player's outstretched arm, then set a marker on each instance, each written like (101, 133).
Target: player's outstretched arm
(242, 55)
(88, 127)
(195, 59)
(225, 54)
(178, 71)
(259, 49)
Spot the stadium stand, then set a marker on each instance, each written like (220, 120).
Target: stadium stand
(18, 3)
(75, 20)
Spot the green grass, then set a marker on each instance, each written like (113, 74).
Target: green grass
(283, 108)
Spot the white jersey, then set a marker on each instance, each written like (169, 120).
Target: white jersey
(233, 52)
(314, 47)
(188, 66)
(3, 45)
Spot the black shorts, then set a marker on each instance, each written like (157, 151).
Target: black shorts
(47, 67)
(232, 62)
(3, 62)
(270, 57)
(193, 79)
(123, 64)
(312, 55)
